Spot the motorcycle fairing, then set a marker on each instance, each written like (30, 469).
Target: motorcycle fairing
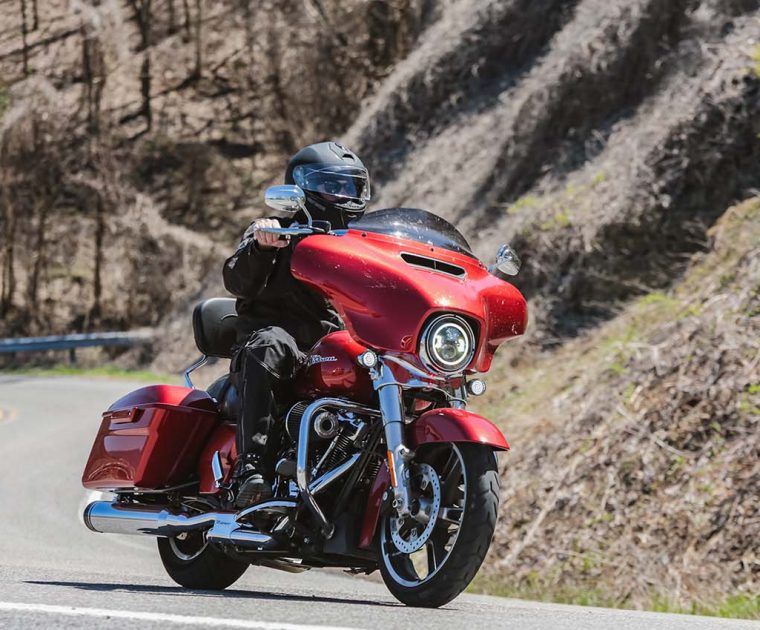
(434, 426)
(385, 301)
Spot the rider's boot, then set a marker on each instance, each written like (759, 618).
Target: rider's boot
(253, 485)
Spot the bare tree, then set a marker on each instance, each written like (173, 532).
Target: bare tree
(172, 17)
(94, 75)
(188, 22)
(197, 72)
(25, 46)
(8, 288)
(100, 229)
(143, 17)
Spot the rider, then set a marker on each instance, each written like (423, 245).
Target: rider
(279, 318)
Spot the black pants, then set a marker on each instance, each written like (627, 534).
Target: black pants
(267, 360)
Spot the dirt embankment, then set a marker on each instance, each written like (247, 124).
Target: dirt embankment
(636, 447)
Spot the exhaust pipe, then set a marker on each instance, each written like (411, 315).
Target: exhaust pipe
(114, 518)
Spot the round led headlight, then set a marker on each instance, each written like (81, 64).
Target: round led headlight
(447, 344)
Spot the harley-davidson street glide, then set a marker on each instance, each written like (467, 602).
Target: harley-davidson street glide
(380, 464)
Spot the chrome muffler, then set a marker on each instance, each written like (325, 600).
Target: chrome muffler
(115, 518)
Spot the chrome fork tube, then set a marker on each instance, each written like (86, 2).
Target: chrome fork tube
(389, 395)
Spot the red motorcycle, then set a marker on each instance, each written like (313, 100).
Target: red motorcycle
(380, 465)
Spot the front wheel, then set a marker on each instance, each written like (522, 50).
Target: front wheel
(193, 563)
(429, 558)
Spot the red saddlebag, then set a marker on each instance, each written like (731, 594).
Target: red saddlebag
(150, 438)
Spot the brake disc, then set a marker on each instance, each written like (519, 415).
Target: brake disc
(430, 495)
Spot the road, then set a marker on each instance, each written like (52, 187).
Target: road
(56, 573)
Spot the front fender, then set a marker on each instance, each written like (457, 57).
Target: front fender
(455, 425)
(437, 425)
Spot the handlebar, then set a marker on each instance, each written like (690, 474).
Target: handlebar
(288, 231)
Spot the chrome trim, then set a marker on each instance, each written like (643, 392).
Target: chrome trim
(116, 518)
(275, 505)
(389, 395)
(199, 363)
(227, 531)
(423, 344)
(320, 484)
(302, 456)
(217, 470)
(507, 261)
(287, 198)
(413, 370)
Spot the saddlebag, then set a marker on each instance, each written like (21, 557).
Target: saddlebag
(150, 439)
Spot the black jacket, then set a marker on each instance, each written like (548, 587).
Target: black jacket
(268, 295)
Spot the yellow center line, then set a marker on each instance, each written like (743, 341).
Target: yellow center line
(7, 414)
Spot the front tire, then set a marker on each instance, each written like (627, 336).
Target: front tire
(193, 563)
(454, 551)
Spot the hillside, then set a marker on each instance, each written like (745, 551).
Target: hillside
(636, 447)
(615, 144)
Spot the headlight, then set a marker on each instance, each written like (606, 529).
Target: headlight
(447, 344)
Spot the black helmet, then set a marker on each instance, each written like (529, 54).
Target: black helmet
(334, 179)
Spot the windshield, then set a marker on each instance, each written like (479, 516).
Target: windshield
(416, 225)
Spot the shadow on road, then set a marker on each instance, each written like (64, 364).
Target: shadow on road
(228, 594)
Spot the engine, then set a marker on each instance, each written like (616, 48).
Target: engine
(335, 435)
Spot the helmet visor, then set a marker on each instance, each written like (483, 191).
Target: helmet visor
(335, 183)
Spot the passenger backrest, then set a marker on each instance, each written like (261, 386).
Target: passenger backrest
(214, 327)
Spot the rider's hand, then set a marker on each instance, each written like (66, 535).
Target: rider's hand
(267, 240)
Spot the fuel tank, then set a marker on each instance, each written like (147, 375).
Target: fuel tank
(332, 370)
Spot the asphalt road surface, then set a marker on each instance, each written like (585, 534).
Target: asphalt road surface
(56, 573)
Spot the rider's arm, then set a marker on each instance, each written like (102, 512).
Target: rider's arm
(246, 272)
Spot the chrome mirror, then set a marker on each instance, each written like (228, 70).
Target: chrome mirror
(507, 261)
(285, 198)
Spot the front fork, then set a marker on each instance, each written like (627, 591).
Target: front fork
(399, 456)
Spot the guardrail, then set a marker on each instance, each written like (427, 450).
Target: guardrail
(72, 342)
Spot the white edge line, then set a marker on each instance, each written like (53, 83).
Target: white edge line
(208, 622)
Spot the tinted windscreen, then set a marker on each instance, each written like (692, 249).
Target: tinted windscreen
(416, 225)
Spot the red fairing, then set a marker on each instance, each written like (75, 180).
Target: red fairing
(385, 301)
(222, 440)
(333, 371)
(455, 425)
(150, 438)
(374, 503)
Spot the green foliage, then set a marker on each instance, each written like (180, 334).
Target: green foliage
(599, 178)
(755, 56)
(106, 371)
(536, 587)
(559, 220)
(523, 203)
(732, 607)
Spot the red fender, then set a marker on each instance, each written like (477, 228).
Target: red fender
(455, 425)
(437, 425)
